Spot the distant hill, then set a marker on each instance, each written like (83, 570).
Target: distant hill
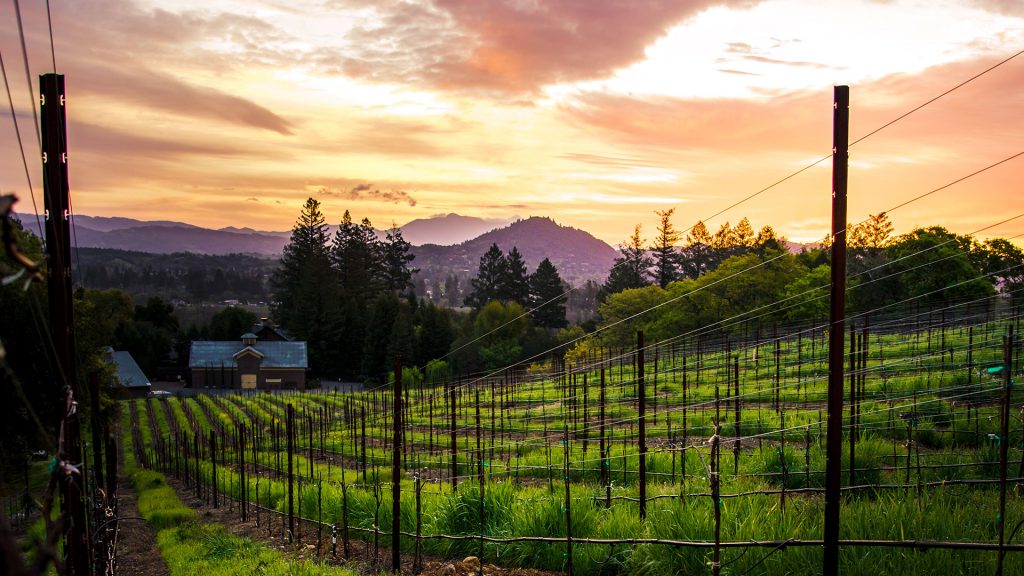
(448, 229)
(112, 223)
(576, 254)
(166, 236)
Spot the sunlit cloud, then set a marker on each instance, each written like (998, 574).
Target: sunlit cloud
(365, 192)
(595, 113)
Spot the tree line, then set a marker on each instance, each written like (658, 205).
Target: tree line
(727, 280)
(192, 278)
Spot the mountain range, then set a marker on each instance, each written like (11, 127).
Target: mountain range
(164, 236)
(443, 244)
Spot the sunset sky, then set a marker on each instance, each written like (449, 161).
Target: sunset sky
(596, 113)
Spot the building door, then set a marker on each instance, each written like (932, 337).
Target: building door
(248, 380)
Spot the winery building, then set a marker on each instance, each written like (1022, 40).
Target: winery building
(129, 380)
(248, 363)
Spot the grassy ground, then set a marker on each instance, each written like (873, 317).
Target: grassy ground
(192, 547)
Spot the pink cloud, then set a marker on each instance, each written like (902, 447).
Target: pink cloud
(511, 46)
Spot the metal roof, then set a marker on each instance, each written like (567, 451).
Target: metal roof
(217, 353)
(129, 375)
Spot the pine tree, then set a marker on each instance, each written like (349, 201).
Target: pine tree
(765, 235)
(378, 336)
(874, 233)
(308, 240)
(744, 233)
(402, 341)
(724, 238)
(397, 275)
(697, 257)
(515, 282)
(547, 296)
(351, 337)
(436, 334)
(666, 260)
(629, 270)
(451, 290)
(355, 254)
(487, 284)
(305, 295)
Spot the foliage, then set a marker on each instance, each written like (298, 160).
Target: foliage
(303, 284)
(622, 314)
(696, 257)
(188, 277)
(1004, 262)
(356, 255)
(437, 371)
(630, 270)
(499, 329)
(230, 323)
(490, 275)
(742, 285)
(807, 295)
(396, 260)
(934, 265)
(436, 333)
(28, 414)
(378, 335)
(547, 296)
(514, 285)
(666, 259)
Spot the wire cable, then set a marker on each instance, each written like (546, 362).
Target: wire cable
(21, 149)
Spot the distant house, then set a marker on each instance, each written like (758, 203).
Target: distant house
(249, 363)
(130, 381)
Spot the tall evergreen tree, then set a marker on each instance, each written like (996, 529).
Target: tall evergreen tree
(308, 242)
(744, 233)
(666, 259)
(697, 258)
(355, 253)
(397, 275)
(515, 284)
(351, 337)
(874, 233)
(451, 290)
(378, 336)
(305, 288)
(436, 334)
(630, 270)
(765, 235)
(725, 237)
(547, 296)
(402, 342)
(487, 284)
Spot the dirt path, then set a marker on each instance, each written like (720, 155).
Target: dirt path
(137, 553)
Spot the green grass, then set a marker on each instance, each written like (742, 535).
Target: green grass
(191, 547)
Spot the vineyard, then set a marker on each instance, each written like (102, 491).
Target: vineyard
(700, 454)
